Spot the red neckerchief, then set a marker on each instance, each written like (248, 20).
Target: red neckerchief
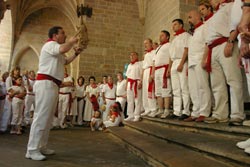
(198, 25)
(50, 39)
(164, 42)
(218, 6)
(133, 62)
(180, 31)
(209, 16)
(149, 50)
(66, 75)
(17, 84)
(110, 85)
(32, 79)
(93, 85)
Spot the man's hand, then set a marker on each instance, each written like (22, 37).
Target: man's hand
(180, 68)
(73, 40)
(77, 50)
(244, 47)
(228, 49)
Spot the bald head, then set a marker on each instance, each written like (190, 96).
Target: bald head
(194, 17)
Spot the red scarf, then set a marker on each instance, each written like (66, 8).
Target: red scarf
(164, 42)
(32, 79)
(218, 6)
(50, 39)
(149, 50)
(66, 75)
(198, 25)
(93, 85)
(133, 62)
(180, 31)
(110, 85)
(209, 16)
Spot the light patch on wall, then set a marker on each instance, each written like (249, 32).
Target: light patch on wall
(28, 60)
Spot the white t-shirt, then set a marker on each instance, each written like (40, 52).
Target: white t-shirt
(121, 88)
(80, 91)
(134, 71)
(219, 24)
(18, 89)
(196, 46)
(148, 59)
(178, 44)
(51, 62)
(162, 55)
(236, 14)
(68, 88)
(109, 93)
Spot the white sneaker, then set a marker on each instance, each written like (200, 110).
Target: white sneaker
(36, 155)
(244, 144)
(136, 119)
(47, 151)
(146, 113)
(129, 119)
(156, 113)
(165, 114)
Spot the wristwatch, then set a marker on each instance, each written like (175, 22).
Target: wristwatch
(230, 41)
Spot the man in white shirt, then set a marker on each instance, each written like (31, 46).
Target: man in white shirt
(200, 92)
(178, 66)
(134, 85)
(121, 92)
(49, 77)
(148, 92)
(223, 67)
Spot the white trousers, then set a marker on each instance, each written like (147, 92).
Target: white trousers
(180, 89)
(80, 111)
(149, 104)
(226, 70)
(63, 107)
(200, 92)
(29, 101)
(105, 115)
(134, 103)
(17, 111)
(6, 116)
(46, 102)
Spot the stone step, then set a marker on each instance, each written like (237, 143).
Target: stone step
(160, 153)
(220, 147)
(218, 129)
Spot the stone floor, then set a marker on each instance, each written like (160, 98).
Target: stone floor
(75, 147)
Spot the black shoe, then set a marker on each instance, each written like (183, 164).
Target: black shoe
(183, 116)
(173, 116)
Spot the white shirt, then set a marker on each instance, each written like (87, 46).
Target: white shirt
(134, 71)
(9, 83)
(31, 83)
(80, 91)
(162, 55)
(19, 89)
(236, 14)
(219, 24)
(148, 59)
(109, 93)
(121, 88)
(196, 46)
(92, 91)
(51, 62)
(178, 44)
(68, 88)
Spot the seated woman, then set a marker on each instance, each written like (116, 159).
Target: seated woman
(114, 116)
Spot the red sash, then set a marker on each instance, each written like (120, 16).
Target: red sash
(165, 79)
(47, 77)
(215, 43)
(151, 85)
(94, 102)
(133, 82)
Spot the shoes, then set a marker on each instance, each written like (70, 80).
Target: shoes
(129, 119)
(182, 117)
(211, 120)
(235, 122)
(190, 119)
(47, 151)
(165, 114)
(246, 123)
(100, 129)
(244, 144)
(12, 132)
(173, 116)
(146, 113)
(156, 113)
(35, 155)
(137, 119)
(200, 119)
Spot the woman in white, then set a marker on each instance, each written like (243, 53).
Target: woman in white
(114, 117)
(92, 92)
(80, 94)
